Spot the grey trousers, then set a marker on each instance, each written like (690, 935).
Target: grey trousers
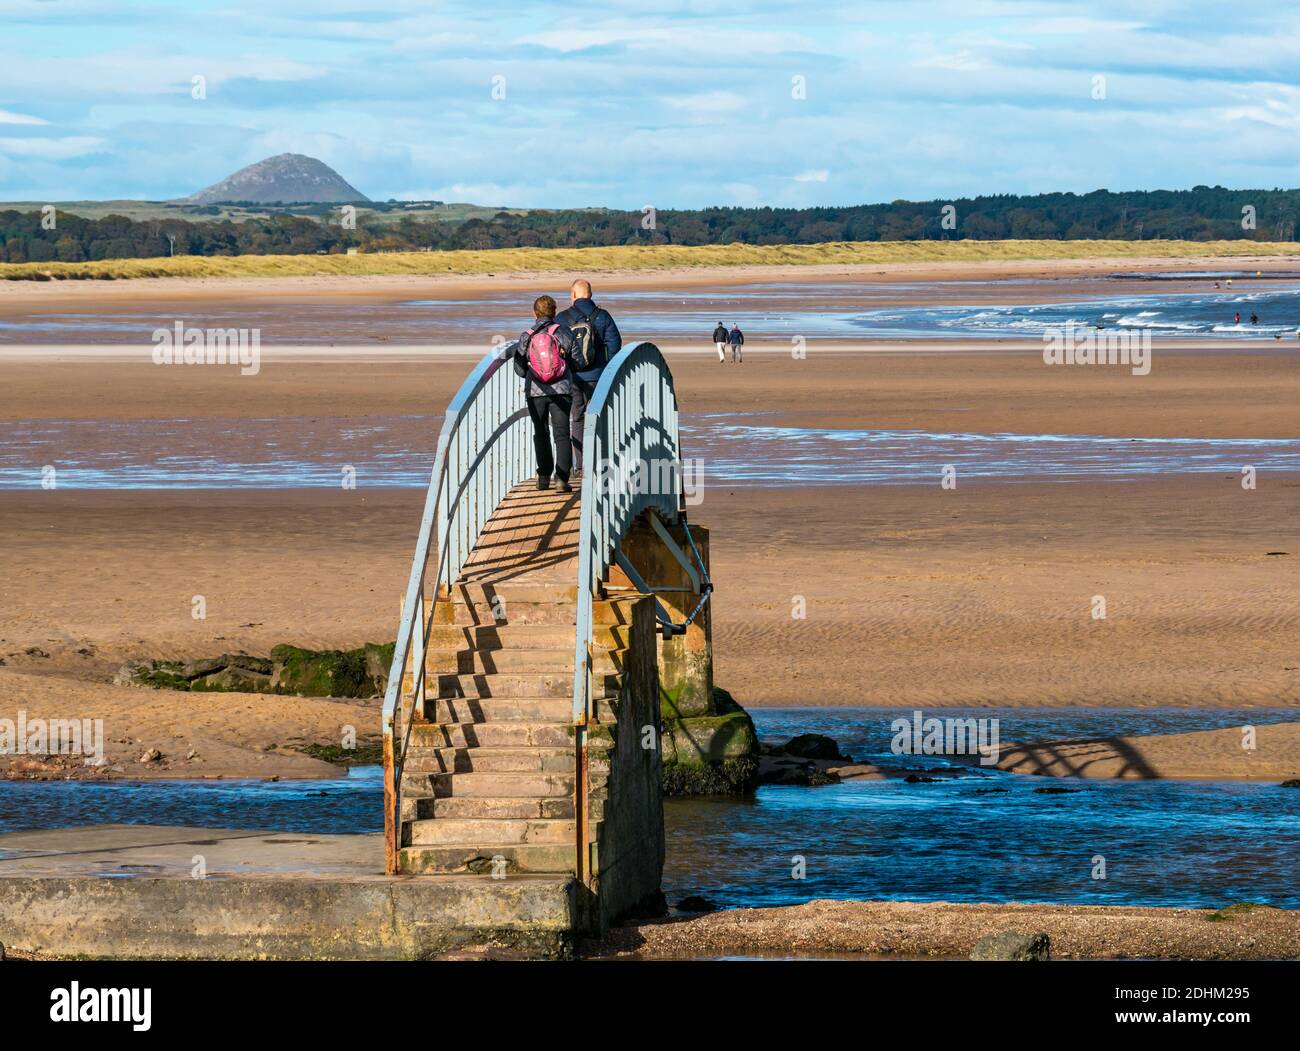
(582, 392)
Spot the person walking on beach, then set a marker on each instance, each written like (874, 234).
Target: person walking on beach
(542, 356)
(737, 341)
(596, 341)
(720, 342)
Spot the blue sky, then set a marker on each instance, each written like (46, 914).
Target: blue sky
(690, 105)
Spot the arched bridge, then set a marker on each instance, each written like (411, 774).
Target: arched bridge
(520, 724)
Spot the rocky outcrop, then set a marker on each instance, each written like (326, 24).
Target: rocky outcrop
(1011, 945)
(815, 746)
(714, 752)
(362, 672)
(811, 759)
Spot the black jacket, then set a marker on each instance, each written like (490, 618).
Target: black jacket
(608, 332)
(720, 334)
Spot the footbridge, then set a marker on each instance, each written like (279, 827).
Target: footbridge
(539, 631)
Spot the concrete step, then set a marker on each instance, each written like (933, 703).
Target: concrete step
(482, 807)
(531, 760)
(510, 709)
(518, 684)
(495, 604)
(486, 594)
(541, 857)
(511, 785)
(499, 709)
(509, 636)
(500, 734)
(557, 661)
(517, 605)
(492, 832)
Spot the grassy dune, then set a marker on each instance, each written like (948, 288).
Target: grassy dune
(632, 257)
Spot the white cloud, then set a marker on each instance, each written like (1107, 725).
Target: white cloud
(963, 61)
(674, 104)
(707, 102)
(9, 117)
(724, 43)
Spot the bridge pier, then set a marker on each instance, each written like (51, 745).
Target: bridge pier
(685, 661)
(709, 744)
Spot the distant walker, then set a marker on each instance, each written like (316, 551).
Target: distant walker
(737, 341)
(720, 342)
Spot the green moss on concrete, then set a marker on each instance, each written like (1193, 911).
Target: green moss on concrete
(710, 738)
(714, 754)
(668, 702)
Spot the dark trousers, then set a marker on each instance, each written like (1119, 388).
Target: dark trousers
(552, 409)
(582, 392)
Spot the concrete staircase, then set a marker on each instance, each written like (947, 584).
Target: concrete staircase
(492, 766)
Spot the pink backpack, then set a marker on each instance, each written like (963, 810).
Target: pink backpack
(545, 359)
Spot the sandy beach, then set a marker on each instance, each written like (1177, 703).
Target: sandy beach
(1241, 753)
(910, 930)
(915, 595)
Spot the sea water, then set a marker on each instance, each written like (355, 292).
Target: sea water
(768, 312)
(730, 449)
(977, 835)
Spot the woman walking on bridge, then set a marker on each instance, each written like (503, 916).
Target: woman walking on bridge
(542, 357)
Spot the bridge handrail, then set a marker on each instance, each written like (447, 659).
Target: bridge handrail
(631, 431)
(484, 450)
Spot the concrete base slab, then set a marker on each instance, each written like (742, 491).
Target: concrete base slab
(155, 892)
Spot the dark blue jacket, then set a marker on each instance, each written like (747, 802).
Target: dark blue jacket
(583, 309)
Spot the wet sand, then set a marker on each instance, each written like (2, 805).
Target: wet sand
(1239, 753)
(914, 597)
(1211, 392)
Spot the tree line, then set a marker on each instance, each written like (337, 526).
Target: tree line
(1204, 213)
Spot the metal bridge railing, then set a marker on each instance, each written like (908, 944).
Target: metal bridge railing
(631, 462)
(485, 448)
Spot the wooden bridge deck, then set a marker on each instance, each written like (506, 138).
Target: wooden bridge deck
(532, 538)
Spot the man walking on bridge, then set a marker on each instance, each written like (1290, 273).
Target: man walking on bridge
(596, 340)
